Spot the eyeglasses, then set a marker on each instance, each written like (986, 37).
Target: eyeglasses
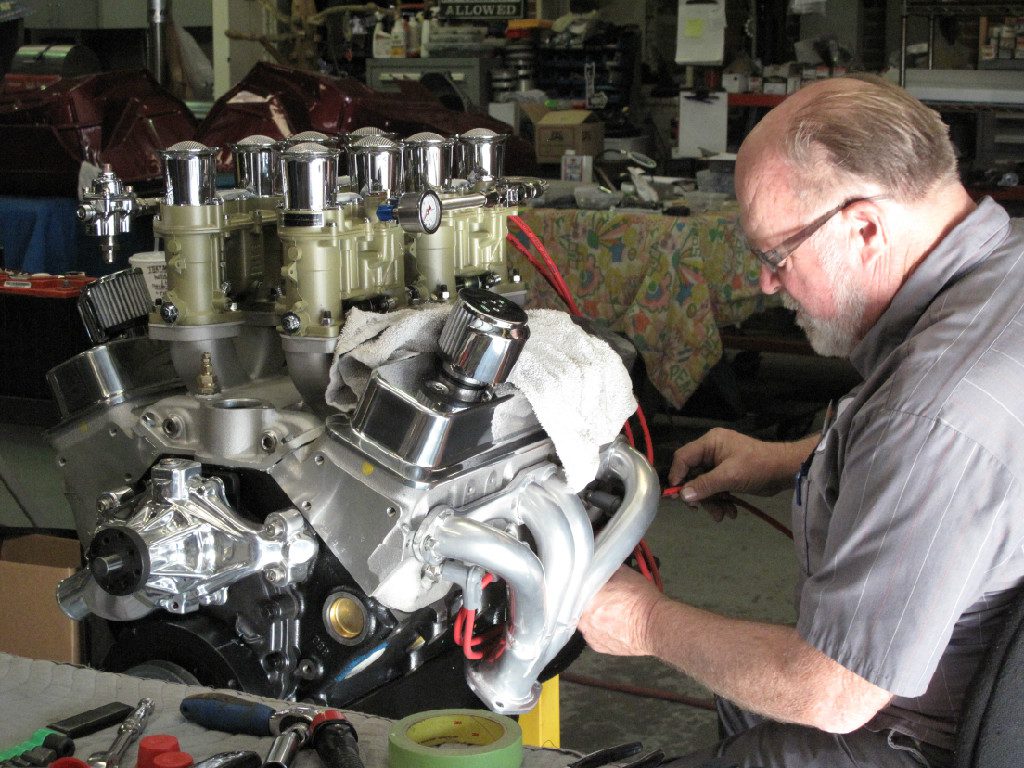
(775, 257)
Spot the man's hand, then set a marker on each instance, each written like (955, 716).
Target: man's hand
(736, 463)
(617, 620)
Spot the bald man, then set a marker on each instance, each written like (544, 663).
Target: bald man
(909, 511)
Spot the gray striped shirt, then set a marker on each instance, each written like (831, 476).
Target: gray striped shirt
(909, 521)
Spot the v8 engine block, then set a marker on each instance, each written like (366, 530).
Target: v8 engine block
(239, 530)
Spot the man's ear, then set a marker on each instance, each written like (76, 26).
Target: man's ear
(871, 233)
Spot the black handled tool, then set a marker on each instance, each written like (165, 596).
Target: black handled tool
(93, 720)
(53, 745)
(234, 714)
(608, 755)
(296, 725)
(57, 736)
(650, 760)
(230, 714)
(335, 740)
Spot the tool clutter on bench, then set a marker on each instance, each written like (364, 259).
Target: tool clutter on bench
(431, 739)
(294, 728)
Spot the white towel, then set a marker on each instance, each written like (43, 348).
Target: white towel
(578, 388)
(575, 383)
(369, 339)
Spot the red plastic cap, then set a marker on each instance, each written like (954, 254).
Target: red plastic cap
(172, 760)
(156, 744)
(69, 762)
(327, 716)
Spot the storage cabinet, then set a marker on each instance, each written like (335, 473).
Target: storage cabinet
(1000, 138)
(561, 72)
(471, 76)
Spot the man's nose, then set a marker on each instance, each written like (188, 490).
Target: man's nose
(770, 282)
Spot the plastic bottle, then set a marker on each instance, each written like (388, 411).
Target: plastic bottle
(381, 47)
(413, 39)
(398, 45)
(573, 166)
(425, 29)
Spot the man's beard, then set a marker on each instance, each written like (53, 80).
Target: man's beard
(838, 335)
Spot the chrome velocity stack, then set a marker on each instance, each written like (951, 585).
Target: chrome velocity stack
(307, 137)
(254, 164)
(348, 139)
(481, 155)
(309, 175)
(427, 160)
(190, 173)
(374, 165)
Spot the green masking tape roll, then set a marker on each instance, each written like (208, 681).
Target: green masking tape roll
(455, 738)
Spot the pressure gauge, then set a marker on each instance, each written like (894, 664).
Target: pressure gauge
(430, 211)
(419, 212)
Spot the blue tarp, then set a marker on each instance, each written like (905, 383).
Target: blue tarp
(41, 234)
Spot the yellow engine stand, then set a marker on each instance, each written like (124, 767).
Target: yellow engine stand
(541, 726)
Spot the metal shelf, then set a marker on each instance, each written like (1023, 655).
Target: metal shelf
(755, 99)
(560, 70)
(974, 107)
(936, 8)
(961, 8)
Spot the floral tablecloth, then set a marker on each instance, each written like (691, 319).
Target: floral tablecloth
(667, 283)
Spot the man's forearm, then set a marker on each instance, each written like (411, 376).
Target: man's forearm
(765, 668)
(790, 456)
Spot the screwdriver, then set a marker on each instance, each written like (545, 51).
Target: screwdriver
(335, 740)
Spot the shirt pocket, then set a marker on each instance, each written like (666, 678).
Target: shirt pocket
(801, 493)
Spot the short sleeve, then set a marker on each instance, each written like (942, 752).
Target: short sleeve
(922, 516)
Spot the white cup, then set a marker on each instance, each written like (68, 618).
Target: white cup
(154, 270)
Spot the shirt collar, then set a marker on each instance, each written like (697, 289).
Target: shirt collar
(968, 244)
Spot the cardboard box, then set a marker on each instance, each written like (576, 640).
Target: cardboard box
(31, 622)
(558, 130)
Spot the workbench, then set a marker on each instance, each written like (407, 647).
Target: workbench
(34, 693)
(667, 283)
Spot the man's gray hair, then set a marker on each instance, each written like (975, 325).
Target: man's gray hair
(871, 130)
